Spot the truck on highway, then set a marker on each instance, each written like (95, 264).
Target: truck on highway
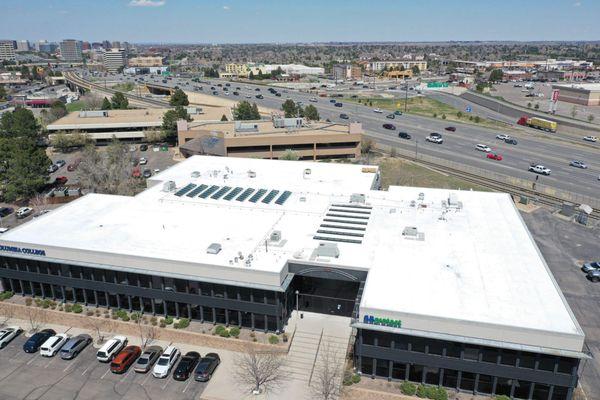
(538, 123)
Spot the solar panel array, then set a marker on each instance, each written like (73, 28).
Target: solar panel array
(344, 223)
(217, 192)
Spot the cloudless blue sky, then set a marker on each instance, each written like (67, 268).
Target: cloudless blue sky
(254, 21)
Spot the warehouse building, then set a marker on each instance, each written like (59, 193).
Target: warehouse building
(587, 94)
(443, 287)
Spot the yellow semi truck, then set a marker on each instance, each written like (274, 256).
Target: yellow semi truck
(539, 123)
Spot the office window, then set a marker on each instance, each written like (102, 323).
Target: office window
(233, 317)
(415, 373)
(244, 293)
(169, 284)
(450, 378)
(259, 295)
(271, 297)
(37, 289)
(565, 365)
(503, 386)
(159, 307)
(401, 342)
(43, 267)
(384, 339)
(522, 389)
(435, 347)
(399, 371)
(527, 360)
(145, 280)
(484, 385)
(183, 310)
(366, 365)
(247, 319)
(136, 304)
(194, 287)
(418, 344)
(53, 269)
(560, 393)
(547, 363)
(383, 368)
(467, 381)
(453, 349)
(218, 290)
(205, 288)
(489, 354)
(208, 314)
(540, 392)
(471, 353)
(180, 285)
(156, 282)
(432, 376)
(87, 273)
(368, 337)
(89, 294)
(132, 279)
(101, 299)
(508, 357)
(259, 322)
(271, 323)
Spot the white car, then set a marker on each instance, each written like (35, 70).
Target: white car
(24, 212)
(590, 138)
(51, 346)
(248, 96)
(502, 136)
(313, 99)
(7, 334)
(483, 147)
(111, 348)
(378, 111)
(143, 161)
(165, 362)
(540, 169)
(3, 229)
(434, 139)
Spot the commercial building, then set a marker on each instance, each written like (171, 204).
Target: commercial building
(443, 287)
(587, 94)
(22, 45)
(146, 61)
(45, 47)
(347, 71)
(237, 70)
(7, 50)
(244, 70)
(70, 50)
(113, 59)
(378, 66)
(126, 125)
(562, 75)
(515, 75)
(270, 139)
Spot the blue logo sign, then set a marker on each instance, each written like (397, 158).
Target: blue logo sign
(23, 250)
(394, 323)
(468, 109)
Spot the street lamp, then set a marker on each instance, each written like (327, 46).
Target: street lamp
(297, 293)
(416, 148)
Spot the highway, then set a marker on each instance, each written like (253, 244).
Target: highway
(459, 147)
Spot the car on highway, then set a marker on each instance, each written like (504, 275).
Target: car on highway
(186, 366)
(313, 100)
(165, 362)
(344, 116)
(74, 346)
(540, 169)
(434, 139)
(338, 105)
(590, 266)
(590, 138)
(390, 116)
(146, 361)
(404, 135)
(333, 101)
(390, 127)
(122, 361)
(502, 136)
(259, 96)
(494, 156)
(450, 128)
(107, 352)
(5, 211)
(578, 164)
(37, 339)
(377, 110)
(51, 346)
(206, 367)
(483, 147)
(511, 141)
(24, 212)
(7, 334)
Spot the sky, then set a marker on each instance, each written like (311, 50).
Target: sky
(286, 21)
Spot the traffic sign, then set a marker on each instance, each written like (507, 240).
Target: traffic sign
(468, 109)
(555, 94)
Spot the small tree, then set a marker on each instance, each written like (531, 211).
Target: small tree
(289, 155)
(290, 108)
(590, 118)
(179, 98)
(260, 371)
(327, 377)
(58, 110)
(170, 118)
(7, 314)
(224, 118)
(416, 70)
(573, 111)
(366, 146)
(119, 101)
(459, 114)
(106, 105)
(36, 318)
(496, 75)
(244, 111)
(311, 113)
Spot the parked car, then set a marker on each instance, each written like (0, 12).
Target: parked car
(108, 351)
(591, 266)
(24, 212)
(397, 112)
(7, 334)
(590, 138)
(277, 94)
(60, 163)
(594, 275)
(165, 362)
(434, 139)
(37, 339)
(313, 100)
(391, 127)
(143, 161)
(450, 128)
(52, 168)
(483, 147)
(206, 367)
(147, 173)
(124, 359)
(147, 359)
(404, 135)
(186, 366)
(74, 346)
(5, 211)
(143, 147)
(60, 180)
(540, 169)
(578, 164)
(51, 346)
(494, 156)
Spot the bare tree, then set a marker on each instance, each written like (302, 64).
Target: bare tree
(326, 382)
(91, 101)
(40, 202)
(260, 371)
(7, 314)
(148, 333)
(36, 318)
(108, 171)
(98, 325)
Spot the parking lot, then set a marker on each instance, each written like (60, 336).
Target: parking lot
(31, 376)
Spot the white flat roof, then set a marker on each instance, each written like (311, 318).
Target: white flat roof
(472, 269)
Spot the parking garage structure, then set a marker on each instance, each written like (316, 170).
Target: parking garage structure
(441, 287)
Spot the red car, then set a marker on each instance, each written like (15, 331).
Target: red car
(494, 156)
(72, 167)
(451, 128)
(60, 180)
(124, 359)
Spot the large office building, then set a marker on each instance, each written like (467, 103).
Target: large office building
(113, 59)
(378, 66)
(23, 45)
(7, 50)
(443, 287)
(271, 139)
(70, 50)
(146, 61)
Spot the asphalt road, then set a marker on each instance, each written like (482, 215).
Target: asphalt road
(459, 147)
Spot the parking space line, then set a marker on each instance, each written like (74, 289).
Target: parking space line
(166, 382)
(107, 371)
(86, 370)
(126, 375)
(187, 385)
(49, 363)
(31, 360)
(146, 378)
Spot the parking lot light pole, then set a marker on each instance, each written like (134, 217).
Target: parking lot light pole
(297, 304)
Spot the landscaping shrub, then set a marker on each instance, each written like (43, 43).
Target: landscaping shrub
(183, 323)
(408, 388)
(219, 329)
(125, 318)
(28, 301)
(501, 397)
(89, 313)
(273, 339)
(162, 323)
(234, 331)
(421, 391)
(441, 394)
(68, 307)
(6, 295)
(135, 316)
(355, 378)
(77, 308)
(224, 333)
(38, 302)
(121, 313)
(168, 320)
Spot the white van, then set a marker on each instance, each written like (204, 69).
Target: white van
(111, 348)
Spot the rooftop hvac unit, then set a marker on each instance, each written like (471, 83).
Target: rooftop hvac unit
(93, 114)
(452, 200)
(193, 110)
(328, 250)
(358, 198)
(411, 232)
(421, 196)
(169, 186)
(307, 173)
(214, 248)
(245, 126)
(251, 174)
(275, 236)
(288, 123)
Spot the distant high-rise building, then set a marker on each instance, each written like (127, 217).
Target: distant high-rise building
(23, 45)
(70, 50)
(116, 44)
(7, 50)
(114, 59)
(96, 46)
(106, 44)
(85, 46)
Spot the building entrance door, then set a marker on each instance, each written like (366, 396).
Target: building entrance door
(324, 296)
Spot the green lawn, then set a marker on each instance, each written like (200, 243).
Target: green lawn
(75, 106)
(426, 107)
(124, 87)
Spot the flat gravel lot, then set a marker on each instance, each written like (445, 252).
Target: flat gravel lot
(565, 245)
(31, 376)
